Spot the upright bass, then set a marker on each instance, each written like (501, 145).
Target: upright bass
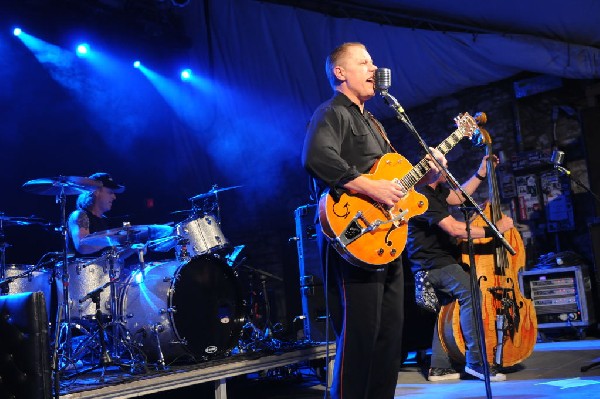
(509, 319)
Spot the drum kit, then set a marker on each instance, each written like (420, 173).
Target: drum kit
(190, 308)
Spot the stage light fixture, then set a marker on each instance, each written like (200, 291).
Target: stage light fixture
(83, 50)
(180, 3)
(186, 74)
(17, 31)
(137, 64)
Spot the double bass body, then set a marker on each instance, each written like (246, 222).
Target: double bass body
(509, 319)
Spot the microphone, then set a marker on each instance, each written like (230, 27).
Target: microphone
(90, 294)
(557, 157)
(557, 160)
(383, 79)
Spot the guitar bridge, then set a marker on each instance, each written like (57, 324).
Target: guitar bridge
(353, 230)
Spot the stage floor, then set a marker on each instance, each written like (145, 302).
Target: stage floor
(553, 370)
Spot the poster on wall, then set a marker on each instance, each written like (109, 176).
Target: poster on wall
(530, 206)
(557, 201)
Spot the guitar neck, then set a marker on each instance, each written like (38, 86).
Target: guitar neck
(421, 168)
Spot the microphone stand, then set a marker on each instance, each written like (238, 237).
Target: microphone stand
(567, 173)
(475, 292)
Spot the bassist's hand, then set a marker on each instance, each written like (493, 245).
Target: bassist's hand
(504, 224)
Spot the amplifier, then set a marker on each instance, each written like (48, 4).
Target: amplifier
(561, 296)
(311, 275)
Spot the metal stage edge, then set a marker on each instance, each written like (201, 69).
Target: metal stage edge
(218, 373)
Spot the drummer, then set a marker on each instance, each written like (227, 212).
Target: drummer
(89, 217)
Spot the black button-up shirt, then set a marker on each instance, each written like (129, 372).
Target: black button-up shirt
(341, 143)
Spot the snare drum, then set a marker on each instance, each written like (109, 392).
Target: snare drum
(187, 311)
(199, 236)
(85, 275)
(38, 280)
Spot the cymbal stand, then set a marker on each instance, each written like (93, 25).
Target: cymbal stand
(105, 359)
(265, 336)
(114, 309)
(63, 316)
(120, 335)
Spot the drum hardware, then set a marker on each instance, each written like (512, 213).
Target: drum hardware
(105, 358)
(256, 337)
(231, 258)
(156, 329)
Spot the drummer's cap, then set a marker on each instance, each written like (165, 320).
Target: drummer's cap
(107, 181)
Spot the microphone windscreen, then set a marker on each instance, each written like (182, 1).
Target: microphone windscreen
(557, 157)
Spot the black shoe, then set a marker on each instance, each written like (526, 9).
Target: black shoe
(476, 370)
(439, 374)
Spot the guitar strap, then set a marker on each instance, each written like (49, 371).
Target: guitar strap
(380, 130)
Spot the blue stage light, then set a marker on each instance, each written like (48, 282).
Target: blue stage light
(83, 49)
(136, 64)
(186, 74)
(17, 31)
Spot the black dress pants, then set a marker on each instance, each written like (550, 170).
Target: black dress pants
(367, 309)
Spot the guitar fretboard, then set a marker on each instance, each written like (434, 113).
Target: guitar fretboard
(421, 168)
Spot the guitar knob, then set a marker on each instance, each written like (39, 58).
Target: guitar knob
(380, 251)
(393, 252)
(420, 204)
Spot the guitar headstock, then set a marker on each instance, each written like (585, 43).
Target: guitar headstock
(466, 125)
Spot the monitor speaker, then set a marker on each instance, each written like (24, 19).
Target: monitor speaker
(311, 276)
(24, 350)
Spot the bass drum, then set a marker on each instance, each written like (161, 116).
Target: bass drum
(184, 311)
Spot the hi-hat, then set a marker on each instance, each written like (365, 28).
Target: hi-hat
(212, 191)
(67, 185)
(127, 235)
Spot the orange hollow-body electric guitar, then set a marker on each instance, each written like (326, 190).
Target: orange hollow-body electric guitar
(369, 234)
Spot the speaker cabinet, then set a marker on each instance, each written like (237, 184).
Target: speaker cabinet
(561, 296)
(24, 350)
(311, 275)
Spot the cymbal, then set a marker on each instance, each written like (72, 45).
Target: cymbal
(182, 211)
(212, 191)
(20, 220)
(67, 185)
(127, 235)
(163, 244)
